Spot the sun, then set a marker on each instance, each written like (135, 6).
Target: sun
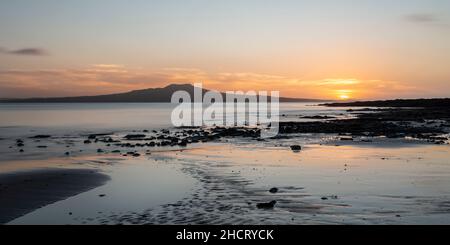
(343, 94)
(344, 97)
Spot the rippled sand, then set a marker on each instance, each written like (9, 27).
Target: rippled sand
(327, 182)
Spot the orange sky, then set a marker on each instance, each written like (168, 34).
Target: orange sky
(311, 49)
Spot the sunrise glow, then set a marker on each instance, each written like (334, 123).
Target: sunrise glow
(300, 48)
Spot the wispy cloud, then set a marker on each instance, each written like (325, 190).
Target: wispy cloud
(25, 51)
(103, 79)
(422, 18)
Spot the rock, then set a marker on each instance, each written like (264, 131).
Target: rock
(41, 136)
(42, 146)
(20, 144)
(87, 142)
(134, 136)
(296, 148)
(273, 190)
(102, 195)
(136, 155)
(67, 153)
(269, 205)
(116, 151)
(100, 151)
(21, 150)
(324, 198)
(346, 139)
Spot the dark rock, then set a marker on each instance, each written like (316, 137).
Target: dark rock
(136, 155)
(318, 117)
(42, 136)
(21, 150)
(273, 190)
(116, 151)
(42, 146)
(346, 139)
(135, 136)
(102, 195)
(87, 142)
(100, 151)
(67, 153)
(296, 148)
(269, 205)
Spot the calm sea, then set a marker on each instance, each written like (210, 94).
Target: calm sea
(63, 118)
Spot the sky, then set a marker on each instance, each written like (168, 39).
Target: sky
(329, 49)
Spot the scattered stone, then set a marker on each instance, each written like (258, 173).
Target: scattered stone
(269, 205)
(346, 139)
(134, 136)
(42, 136)
(296, 148)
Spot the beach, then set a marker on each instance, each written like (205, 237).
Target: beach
(114, 174)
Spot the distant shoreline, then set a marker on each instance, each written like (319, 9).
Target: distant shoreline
(435, 102)
(152, 95)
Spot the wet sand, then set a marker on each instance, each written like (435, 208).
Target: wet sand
(329, 181)
(224, 176)
(23, 192)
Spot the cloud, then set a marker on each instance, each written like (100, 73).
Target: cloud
(105, 79)
(25, 51)
(422, 18)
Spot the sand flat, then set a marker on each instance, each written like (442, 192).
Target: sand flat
(24, 191)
